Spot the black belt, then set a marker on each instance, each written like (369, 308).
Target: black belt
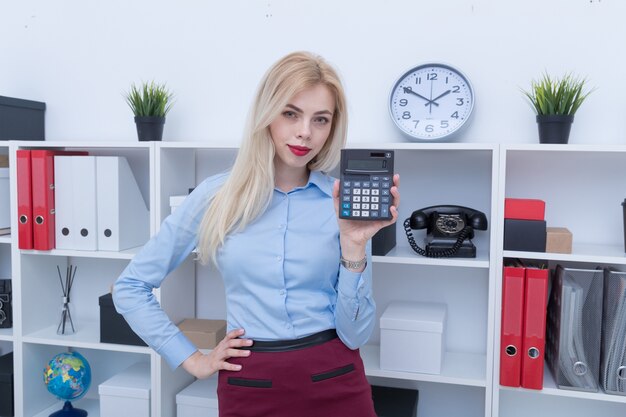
(293, 344)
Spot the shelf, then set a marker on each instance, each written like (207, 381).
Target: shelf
(601, 254)
(459, 368)
(6, 334)
(90, 405)
(87, 336)
(406, 255)
(6, 239)
(550, 388)
(537, 147)
(125, 254)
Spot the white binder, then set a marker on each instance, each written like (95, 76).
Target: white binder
(64, 203)
(122, 215)
(84, 194)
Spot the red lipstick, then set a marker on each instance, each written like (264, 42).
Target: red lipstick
(299, 150)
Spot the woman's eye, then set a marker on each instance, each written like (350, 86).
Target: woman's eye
(289, 114)
(321, 120)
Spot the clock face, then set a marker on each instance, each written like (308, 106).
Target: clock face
(431, 101)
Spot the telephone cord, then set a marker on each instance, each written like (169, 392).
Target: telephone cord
(436, 253)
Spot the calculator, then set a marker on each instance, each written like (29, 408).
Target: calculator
(365, 184)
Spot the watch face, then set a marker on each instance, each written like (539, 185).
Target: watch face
(431, 101)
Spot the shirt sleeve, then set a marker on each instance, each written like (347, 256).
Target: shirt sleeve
(133, 291)
(356, 310)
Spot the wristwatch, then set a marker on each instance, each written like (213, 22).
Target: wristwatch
(354, 264)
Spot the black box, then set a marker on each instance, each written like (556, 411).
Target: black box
(394, 402)
(525, 235)
(6, 309)
(6, 385)
(384, 240)
(113, 326)
(21, 119)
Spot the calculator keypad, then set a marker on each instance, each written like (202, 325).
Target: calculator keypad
(366, 199)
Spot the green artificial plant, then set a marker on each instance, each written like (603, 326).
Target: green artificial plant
(561, 96)
(150, 99)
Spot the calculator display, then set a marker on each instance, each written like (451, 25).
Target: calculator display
(366, 181)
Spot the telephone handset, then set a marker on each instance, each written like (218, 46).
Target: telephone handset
(449, 230)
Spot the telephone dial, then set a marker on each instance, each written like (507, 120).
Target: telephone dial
(449, 230)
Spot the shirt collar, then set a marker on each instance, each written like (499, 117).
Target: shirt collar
(321, 181)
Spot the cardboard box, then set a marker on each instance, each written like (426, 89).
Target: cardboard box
(113, 326)
(21, 119)
(5, 200)
(558, 240)
(525, 235)
(6, 385)
(198, 400)
(524, 209)
(127, 393)
(412, 337)
(204, 333)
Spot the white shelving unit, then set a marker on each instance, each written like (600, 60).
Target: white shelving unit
(583, 187)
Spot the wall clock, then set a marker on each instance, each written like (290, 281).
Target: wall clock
(431, 102)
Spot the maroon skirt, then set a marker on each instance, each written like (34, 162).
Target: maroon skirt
(320, 379)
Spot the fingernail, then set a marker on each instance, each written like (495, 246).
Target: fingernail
(249, 342)
(238, 367)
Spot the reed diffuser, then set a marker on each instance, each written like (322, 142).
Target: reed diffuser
(66, 325)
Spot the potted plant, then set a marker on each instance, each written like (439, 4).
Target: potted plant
(150, 103)
(555, 100)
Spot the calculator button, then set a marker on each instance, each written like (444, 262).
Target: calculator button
(384, 199)
(346, 198)
(345, 213)
(375, 192)
(357, 183)
(384, 210)
(356, 198)
(366, 199)
(385, 185)
(365, 206)
(375, 184)
(383, 192)
(367, 184)
(356, 206)
(345, 205)
(374, 199)
(356, 191)
(366, 191)
(373, 213)
(356, 213)
(386, 178)
(375, 178)
(374, 206)
(346, 191)
(365, 213)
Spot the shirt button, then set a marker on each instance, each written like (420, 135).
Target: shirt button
(282, 292)
(278, 258)
(288, 326)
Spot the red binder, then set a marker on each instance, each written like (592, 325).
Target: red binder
(42, 171)
(535, 311)
(24, 200)
(511, 328)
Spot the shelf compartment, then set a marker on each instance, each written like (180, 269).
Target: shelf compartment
(590, 253)
(6, 334)
(406, 255)
(92, 406)
(459, 368)
(127, 254)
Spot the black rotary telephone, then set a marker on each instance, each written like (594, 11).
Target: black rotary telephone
(449, 230)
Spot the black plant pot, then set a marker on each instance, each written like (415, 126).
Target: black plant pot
(554, 128)
(149, 128)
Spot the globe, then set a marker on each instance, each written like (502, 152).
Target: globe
(68, 377)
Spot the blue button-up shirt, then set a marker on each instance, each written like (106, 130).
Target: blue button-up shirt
(282, 274)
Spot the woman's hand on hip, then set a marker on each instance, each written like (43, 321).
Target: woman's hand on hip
(203, 365)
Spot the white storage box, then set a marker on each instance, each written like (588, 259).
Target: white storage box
(176, 201)
(198, 399)
(412, 337)
(5, 203)
(127, 393)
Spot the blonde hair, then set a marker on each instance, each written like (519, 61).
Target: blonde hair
(248, 190)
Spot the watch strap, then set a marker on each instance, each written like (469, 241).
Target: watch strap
(352, 265)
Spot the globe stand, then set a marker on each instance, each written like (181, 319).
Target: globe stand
(68, 410)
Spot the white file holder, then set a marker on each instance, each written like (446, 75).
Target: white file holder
(198, 400)
(127, 393)
(122, 215)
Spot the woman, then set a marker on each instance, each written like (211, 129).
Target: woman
(297, 280)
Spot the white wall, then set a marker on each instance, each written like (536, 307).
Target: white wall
(80, 55)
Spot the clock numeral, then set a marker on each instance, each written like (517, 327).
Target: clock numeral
(429, 128)
(456, 89)
(406, 115)
(446, 80)
(404, 102)
(431, 76)
(407, 89)
(416, 123)
(460, 101)
(455, 115)
(418, 80)
(444, 124)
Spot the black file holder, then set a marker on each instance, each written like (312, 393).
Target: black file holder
(6, 385)
(394, 402)
(574, 326)
(613, 358)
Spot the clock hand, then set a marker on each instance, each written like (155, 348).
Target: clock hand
(409, 91)
(445, 93)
